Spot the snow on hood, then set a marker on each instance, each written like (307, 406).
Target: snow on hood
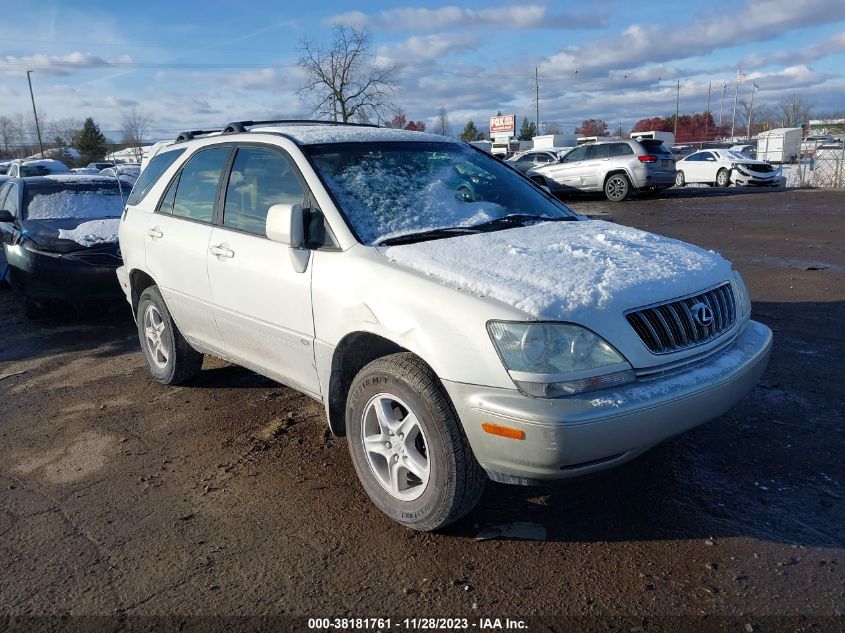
(563, 270)
(92, 232)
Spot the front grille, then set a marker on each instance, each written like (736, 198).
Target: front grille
(97, 258)
(682, 323)
(760, 169)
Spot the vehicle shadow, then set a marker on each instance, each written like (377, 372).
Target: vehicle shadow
(104, 330)
(689, 191)
(769, 469)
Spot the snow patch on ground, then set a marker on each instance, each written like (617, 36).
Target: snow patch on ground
(93, 232)
(798, 175)
(564, 270)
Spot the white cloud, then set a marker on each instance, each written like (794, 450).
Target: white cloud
(757, 20)
(529, 16)
(425, 47)
(58, 64)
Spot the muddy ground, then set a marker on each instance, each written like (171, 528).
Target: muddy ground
(122, 497)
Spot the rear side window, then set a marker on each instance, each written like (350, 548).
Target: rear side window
(151, 174)
(259, 179)
(620, 149)
(197, 189)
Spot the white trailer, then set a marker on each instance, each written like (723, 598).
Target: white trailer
(553, 141)
(667, 137)
(781, 145)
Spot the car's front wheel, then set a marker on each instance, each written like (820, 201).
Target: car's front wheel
(723, 178)
(616, 187)
(170, 358)
(408, 446)
(680, 179)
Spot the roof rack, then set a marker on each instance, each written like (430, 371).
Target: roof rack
(187, 136)
(236, 127)
(240, 126)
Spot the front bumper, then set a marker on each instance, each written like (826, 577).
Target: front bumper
(50, 276)
(572, 436)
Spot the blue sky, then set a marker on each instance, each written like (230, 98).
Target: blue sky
(198, 64)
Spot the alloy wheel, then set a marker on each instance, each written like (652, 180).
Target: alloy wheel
(156, 337)
(395, 447)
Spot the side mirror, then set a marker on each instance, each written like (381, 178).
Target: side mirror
(6, 217)
(286, 225)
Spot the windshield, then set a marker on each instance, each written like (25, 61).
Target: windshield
(73, 200)
(28, 171)
(390, 189)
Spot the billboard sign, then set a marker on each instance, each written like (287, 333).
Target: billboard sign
(503, 126)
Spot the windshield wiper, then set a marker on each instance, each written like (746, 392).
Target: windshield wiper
(519, 219)
(433, 234)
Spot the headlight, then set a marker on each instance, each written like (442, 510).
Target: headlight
(550, 360)
(744, 297)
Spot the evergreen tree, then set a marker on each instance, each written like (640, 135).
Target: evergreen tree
(527, 130)
(90, 142)
(471, 133)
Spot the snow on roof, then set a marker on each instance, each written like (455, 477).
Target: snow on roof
(46, 162)
(83, 178)
(604, 266)
(314, 134)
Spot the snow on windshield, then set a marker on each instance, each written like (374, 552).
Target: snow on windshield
(415, 187)
(72, 203)
(93, 232)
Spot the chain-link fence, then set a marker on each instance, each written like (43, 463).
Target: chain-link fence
(829, 167)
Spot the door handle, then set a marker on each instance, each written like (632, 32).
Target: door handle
(155, 233)
(221, 251)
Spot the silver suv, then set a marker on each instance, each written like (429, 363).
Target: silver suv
(617, 168)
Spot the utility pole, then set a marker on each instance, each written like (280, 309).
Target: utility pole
(537, 96)
(707, 115)
(722, 106)
(35, 114)
(677, 107)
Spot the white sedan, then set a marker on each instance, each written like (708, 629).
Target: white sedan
(721, 167)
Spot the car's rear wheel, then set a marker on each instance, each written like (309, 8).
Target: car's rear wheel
(170, 358)
(723, 178)
(617, 187)
(680, 179)
(408, 446)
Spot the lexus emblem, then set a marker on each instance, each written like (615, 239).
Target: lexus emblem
(702, 314)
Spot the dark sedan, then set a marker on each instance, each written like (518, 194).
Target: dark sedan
(59, 237)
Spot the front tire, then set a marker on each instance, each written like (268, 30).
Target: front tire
(680, 179)
(170, 358)
(723, 178)
(617, 187)
(408, 446)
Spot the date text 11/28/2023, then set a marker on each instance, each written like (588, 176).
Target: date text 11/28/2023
(417, 624)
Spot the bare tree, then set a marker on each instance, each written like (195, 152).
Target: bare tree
(794, 110)
(62, 131)
(441, 123)
(551, 128)
(344, 81)
(135, 126)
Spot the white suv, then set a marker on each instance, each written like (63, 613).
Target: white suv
(456, 320)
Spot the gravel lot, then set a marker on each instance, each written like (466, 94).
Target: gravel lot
(120, 497)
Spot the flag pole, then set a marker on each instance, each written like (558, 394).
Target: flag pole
(736, 97)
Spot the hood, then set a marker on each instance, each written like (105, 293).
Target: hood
(65, 235)
(567, 270)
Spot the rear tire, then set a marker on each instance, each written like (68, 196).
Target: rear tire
(723, 178)
(408, 445)
(617, 187)
(170, 358)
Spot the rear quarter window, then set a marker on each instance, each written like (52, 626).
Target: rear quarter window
(654, 146)
(151, 174)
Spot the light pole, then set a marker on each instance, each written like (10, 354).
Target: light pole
(34, 113)
(751, 112)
